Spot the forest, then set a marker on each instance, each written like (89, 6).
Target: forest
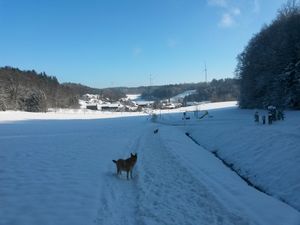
(30, 91)
(27, 90)
(269, 66)
(214, 91)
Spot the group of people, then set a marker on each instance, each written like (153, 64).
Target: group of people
(273, 115)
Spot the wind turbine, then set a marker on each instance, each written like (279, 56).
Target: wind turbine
(205, 70)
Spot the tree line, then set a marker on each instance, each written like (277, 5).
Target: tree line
(269, 66)
(216, 90)
(32, 91)
(27, 90)
(111, 94)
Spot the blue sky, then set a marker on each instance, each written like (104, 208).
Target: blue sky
(121, 42)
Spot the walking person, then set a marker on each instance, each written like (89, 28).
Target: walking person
(263, 117)
(256, 117)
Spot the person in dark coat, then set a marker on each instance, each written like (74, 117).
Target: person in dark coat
(263, 119)
(256, 117)
(270, 118)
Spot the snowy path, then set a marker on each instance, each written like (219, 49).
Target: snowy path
(170, 194)
(162, 191)
(118, 200)
(117, 203)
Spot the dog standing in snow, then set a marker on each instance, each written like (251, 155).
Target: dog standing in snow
(126, 164)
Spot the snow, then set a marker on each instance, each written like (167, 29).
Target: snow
(63, 114)
(182, 95)
(133, 97)
(56, 168)
(268, 155)
(200, 107)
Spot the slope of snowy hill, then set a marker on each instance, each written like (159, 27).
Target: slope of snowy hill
(267, 155)
(182, 95)
(61, 171)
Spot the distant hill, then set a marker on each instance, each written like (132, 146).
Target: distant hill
(82, 89)
(113, 94)
(216, 90)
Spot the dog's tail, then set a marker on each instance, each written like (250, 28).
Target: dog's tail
(114, 161)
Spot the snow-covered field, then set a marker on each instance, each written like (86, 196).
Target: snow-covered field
(56, 168)
(63, 114)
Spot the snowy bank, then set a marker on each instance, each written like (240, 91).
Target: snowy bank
(267, 155)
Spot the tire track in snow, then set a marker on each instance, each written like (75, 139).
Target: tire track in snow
(117, 203)
(169, 194)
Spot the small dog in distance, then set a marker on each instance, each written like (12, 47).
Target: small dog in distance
(155, 131)
(126, 165)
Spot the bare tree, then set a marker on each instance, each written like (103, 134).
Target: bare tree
(290, 8)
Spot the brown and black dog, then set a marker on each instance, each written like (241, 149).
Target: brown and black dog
(126, 164)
